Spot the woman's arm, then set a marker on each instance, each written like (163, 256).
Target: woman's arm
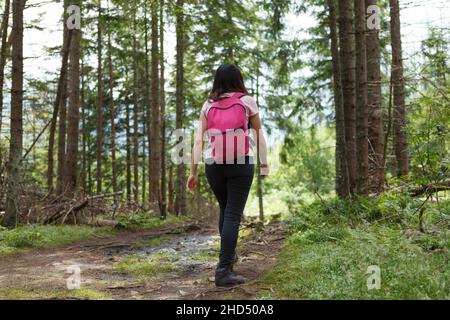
(255, 122)
(197, 153)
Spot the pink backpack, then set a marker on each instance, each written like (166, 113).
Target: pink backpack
(228, 129)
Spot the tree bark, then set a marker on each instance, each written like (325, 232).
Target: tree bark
(362, 145)
(180, 200)
(342, 183)
(83, 133)
(162, 102)
(112, 117)
(400, 139)
(258, 162)
(347, 61)
(62, 136)
(155, 149)
(128, 150)
(56, 106)
(4, 35)
(376, 130)
(171, 191)
(99, 104)
(135, 117)
(16, 129)
(147, 107)
(71, 164)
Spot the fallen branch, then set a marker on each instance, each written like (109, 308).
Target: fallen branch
(430, 189)
(75, 209)
(106, 195)
(64, 213)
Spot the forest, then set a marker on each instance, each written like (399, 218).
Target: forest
(100, 99)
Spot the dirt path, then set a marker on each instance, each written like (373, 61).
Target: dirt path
(174, 262)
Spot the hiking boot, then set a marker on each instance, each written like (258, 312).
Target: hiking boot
(227, 278)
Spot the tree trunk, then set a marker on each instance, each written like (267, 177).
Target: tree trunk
(16, 128)
(180, 200)
(112, 117)
(171, 191)
(362, 146)
(99, 104)
(4, 35)
(83, 133)
(376, 130)
(56, 106)
(347, 61)
(128, 150)
(162, 102)
(155, 161)
(400, 139)
(144, 158)
(258, 161)
(135, 117)
(342, 184)
(73, 115)
(147, 107)
(62, 136)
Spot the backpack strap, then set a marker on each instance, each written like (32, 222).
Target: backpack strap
(238, 95)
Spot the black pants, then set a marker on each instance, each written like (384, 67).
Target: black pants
(231, 185)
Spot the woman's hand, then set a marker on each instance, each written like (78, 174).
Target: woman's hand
(191, 184)
(265, 171)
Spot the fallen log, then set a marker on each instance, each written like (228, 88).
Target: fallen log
(106, 195)
(430, 189)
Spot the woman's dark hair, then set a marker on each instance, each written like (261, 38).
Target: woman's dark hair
(228, 79)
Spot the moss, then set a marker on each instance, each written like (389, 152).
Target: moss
(144, 266)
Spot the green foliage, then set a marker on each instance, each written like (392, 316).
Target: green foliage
(332, 244)
(430, 115)
(308, 161)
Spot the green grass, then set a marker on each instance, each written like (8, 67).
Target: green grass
(30, 294)
(145, 221)
(206, 255)
(143, 266)
(38, 236)
(330, 248)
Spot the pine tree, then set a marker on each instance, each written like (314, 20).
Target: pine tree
(180, 200)
(399, 115)
(155, 145)
(99, 102)
(376, 130)
(163, 205)
(73, 114)
(16, 128)
(362, 150)
(342, 183)
(135, 113)
(4, 36)
(347, 61)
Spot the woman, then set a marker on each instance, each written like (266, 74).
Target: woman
(225, 118)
